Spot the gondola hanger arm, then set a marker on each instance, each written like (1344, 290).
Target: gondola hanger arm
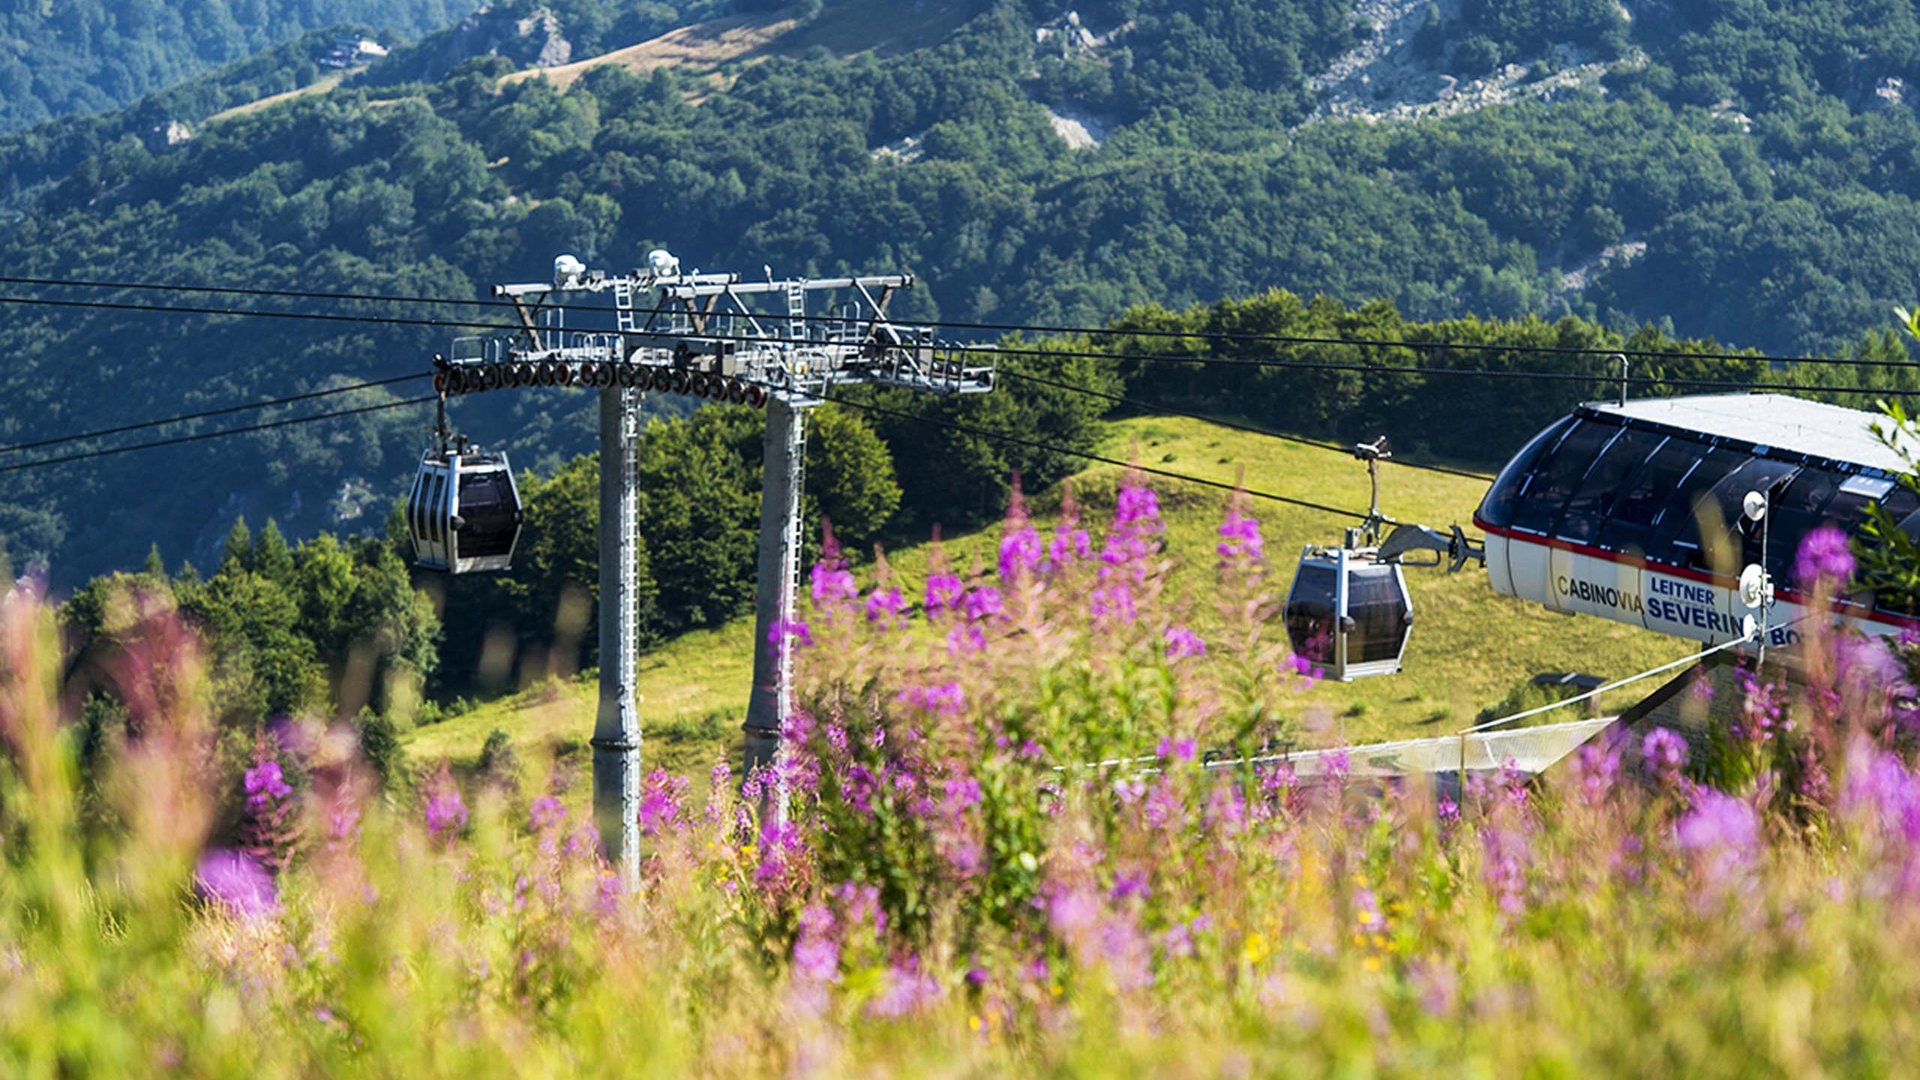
(1453, 549)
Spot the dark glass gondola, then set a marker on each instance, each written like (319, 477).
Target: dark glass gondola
(1348, 613)
(464, 510)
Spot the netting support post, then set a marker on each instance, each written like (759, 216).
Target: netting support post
(616, 731)
(782, 477)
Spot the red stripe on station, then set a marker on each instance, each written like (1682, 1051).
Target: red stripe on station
(1792, 596)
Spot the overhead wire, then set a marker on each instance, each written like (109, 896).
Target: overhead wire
(1240, 337)
(202, 436)
(205, 414)
(1002, 350)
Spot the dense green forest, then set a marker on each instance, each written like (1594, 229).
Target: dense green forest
(1732, 171)
(72, 57)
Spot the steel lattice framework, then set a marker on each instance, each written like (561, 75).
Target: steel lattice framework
(712, 336)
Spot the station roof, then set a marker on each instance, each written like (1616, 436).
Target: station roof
(1777, 422)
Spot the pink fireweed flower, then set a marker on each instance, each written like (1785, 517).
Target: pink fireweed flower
(1824, 558)
(946, 698)
(545, 813)
(1137, 507)
(982, 603)
(965, 639)
(783, 851)
(797, 629)
(1597, 767)
(1182, 643)
(446, 813)
(860, 908)
(1177, 749)
(233, 881)
(265, 785)
(943, 593)
(859, 787)
(1070, 544)
(1240, 538)
(1503, 866)
(907, 990)
(833, 584)
(660, 801)
(884, 606)
(1019, 553)
(1723, 833)
(962, 793)
(1664, 754)
(1112, 603)
(816, 953)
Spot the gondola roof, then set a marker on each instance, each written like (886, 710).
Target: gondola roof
(1772, 424)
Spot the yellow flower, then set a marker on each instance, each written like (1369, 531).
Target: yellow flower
(1054, 990)
(1371, 963)
(1367, 917)
(1254, 949)
(973, 1022)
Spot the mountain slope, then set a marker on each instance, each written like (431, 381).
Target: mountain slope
(76, 57)
(1740, 171)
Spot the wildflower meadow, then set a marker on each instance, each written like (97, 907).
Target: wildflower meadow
(1033, 817)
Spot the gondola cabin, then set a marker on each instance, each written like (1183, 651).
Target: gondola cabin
(1348, 613)
(463, 512)
(1634, 511)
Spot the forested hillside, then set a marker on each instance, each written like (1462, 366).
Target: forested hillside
(1733, 171)
(71, 57)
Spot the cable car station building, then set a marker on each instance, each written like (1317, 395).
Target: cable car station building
(1634, 511)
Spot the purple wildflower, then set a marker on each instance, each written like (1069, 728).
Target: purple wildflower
(264, 785)
(233, 880)
(1504, 848)
(943, 593)
(1137, 507)
(816, 954)
(907, 990)
(1019, 552)
(1723, 832)
(962, 792)
(832, 584)
(859, 787)
(1240, 538)
(946, 698)
(1070, 544)
(1824, 558)
(446, 812)
(1597, 767)
(1072, 911)
(1664, 754)
(1113, 603)
(964, 639)
(797, 629)
(1182, 643)
(660, 802)
(545, 813)
(1176, 941)
(1177, 749)
(982, 603)
(884, 606)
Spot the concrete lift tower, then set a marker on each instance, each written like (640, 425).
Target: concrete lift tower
(709, 335)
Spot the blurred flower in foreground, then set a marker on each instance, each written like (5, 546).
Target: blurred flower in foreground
(1824, 558)
(233, 880)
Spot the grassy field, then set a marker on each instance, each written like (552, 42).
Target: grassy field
(720, 48)
(1469, 646)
